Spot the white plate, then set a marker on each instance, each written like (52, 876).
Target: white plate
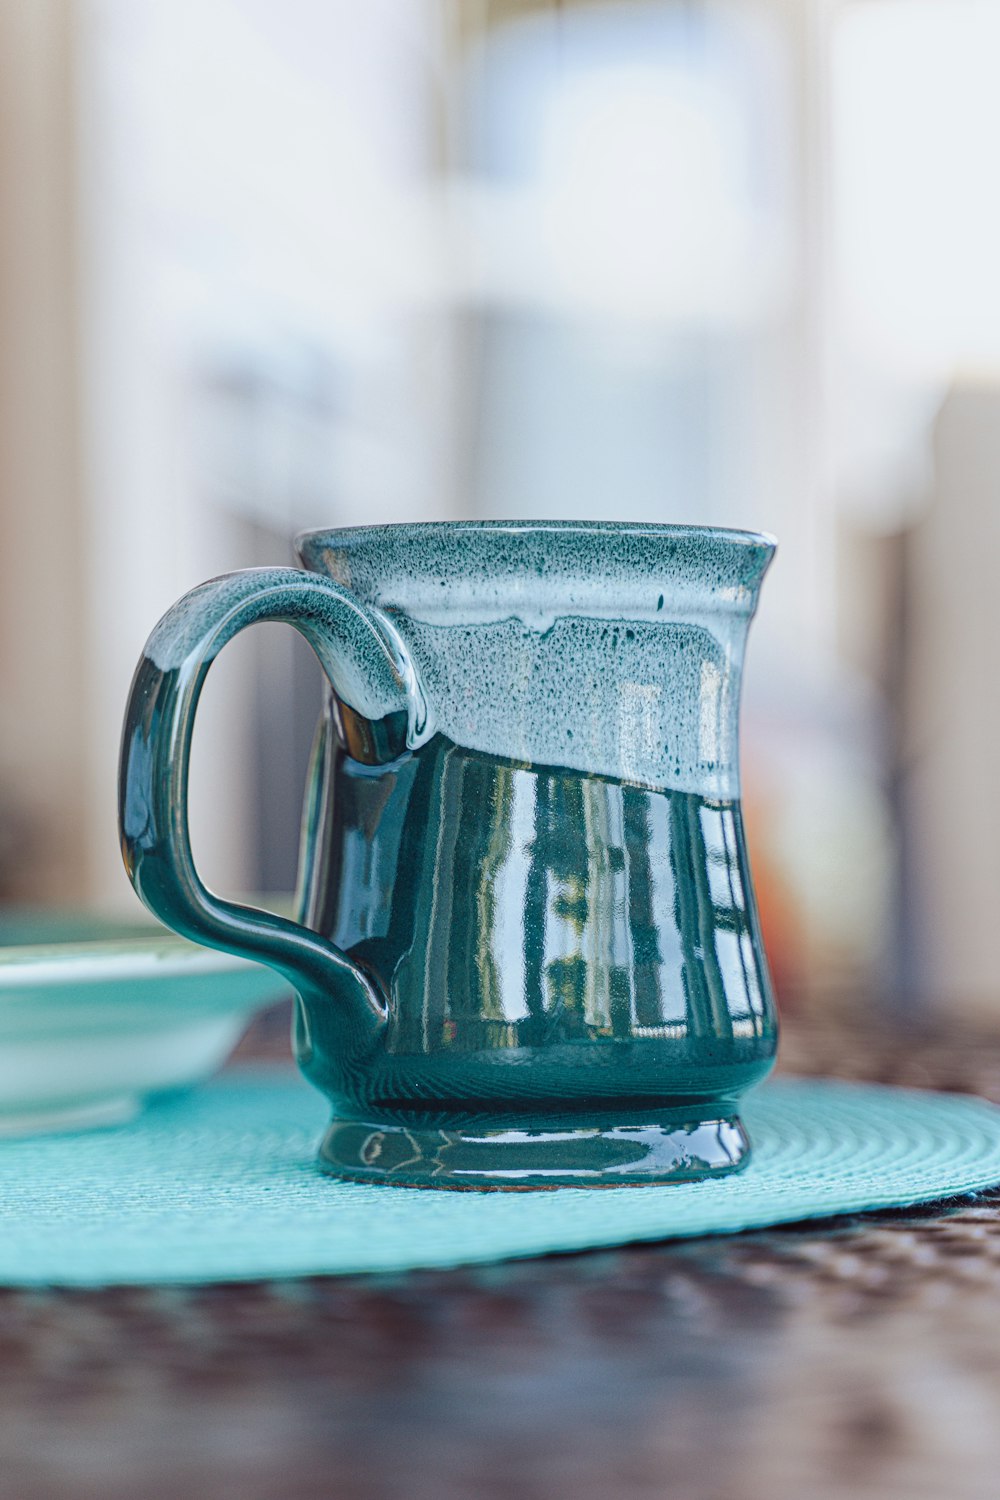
(95, 1016)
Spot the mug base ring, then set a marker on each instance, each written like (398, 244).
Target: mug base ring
(590, 1153)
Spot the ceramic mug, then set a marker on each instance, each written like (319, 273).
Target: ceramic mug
(527, 951)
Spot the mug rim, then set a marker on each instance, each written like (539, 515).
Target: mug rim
(662, 530)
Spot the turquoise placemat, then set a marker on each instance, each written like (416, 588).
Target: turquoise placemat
(220, 1185)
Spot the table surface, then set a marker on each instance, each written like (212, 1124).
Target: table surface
(857, 1357)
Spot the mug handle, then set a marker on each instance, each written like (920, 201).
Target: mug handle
(382, 712)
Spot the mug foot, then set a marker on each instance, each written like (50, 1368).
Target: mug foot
(663, 1148)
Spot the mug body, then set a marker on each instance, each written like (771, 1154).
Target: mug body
(549, 885)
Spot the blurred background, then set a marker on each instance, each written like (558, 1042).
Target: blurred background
(274, 264)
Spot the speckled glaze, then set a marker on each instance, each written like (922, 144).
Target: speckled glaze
(528, 952)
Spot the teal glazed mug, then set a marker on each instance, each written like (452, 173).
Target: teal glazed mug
(527, 951)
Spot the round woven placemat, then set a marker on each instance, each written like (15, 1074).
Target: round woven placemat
(221, 1186)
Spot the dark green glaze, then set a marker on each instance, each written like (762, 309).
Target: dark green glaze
(607, 1150)
(600, 932)
(529, 953)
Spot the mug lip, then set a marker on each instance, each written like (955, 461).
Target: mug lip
(661, 530)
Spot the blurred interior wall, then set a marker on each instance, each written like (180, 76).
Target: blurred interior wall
(45, 664)
(950, 743)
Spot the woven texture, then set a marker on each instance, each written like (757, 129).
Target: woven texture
(220, 1186)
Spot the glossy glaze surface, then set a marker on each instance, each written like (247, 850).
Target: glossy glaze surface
(526, 891)
(511, 914)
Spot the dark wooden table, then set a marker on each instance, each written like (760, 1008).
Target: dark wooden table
(852, 1358)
